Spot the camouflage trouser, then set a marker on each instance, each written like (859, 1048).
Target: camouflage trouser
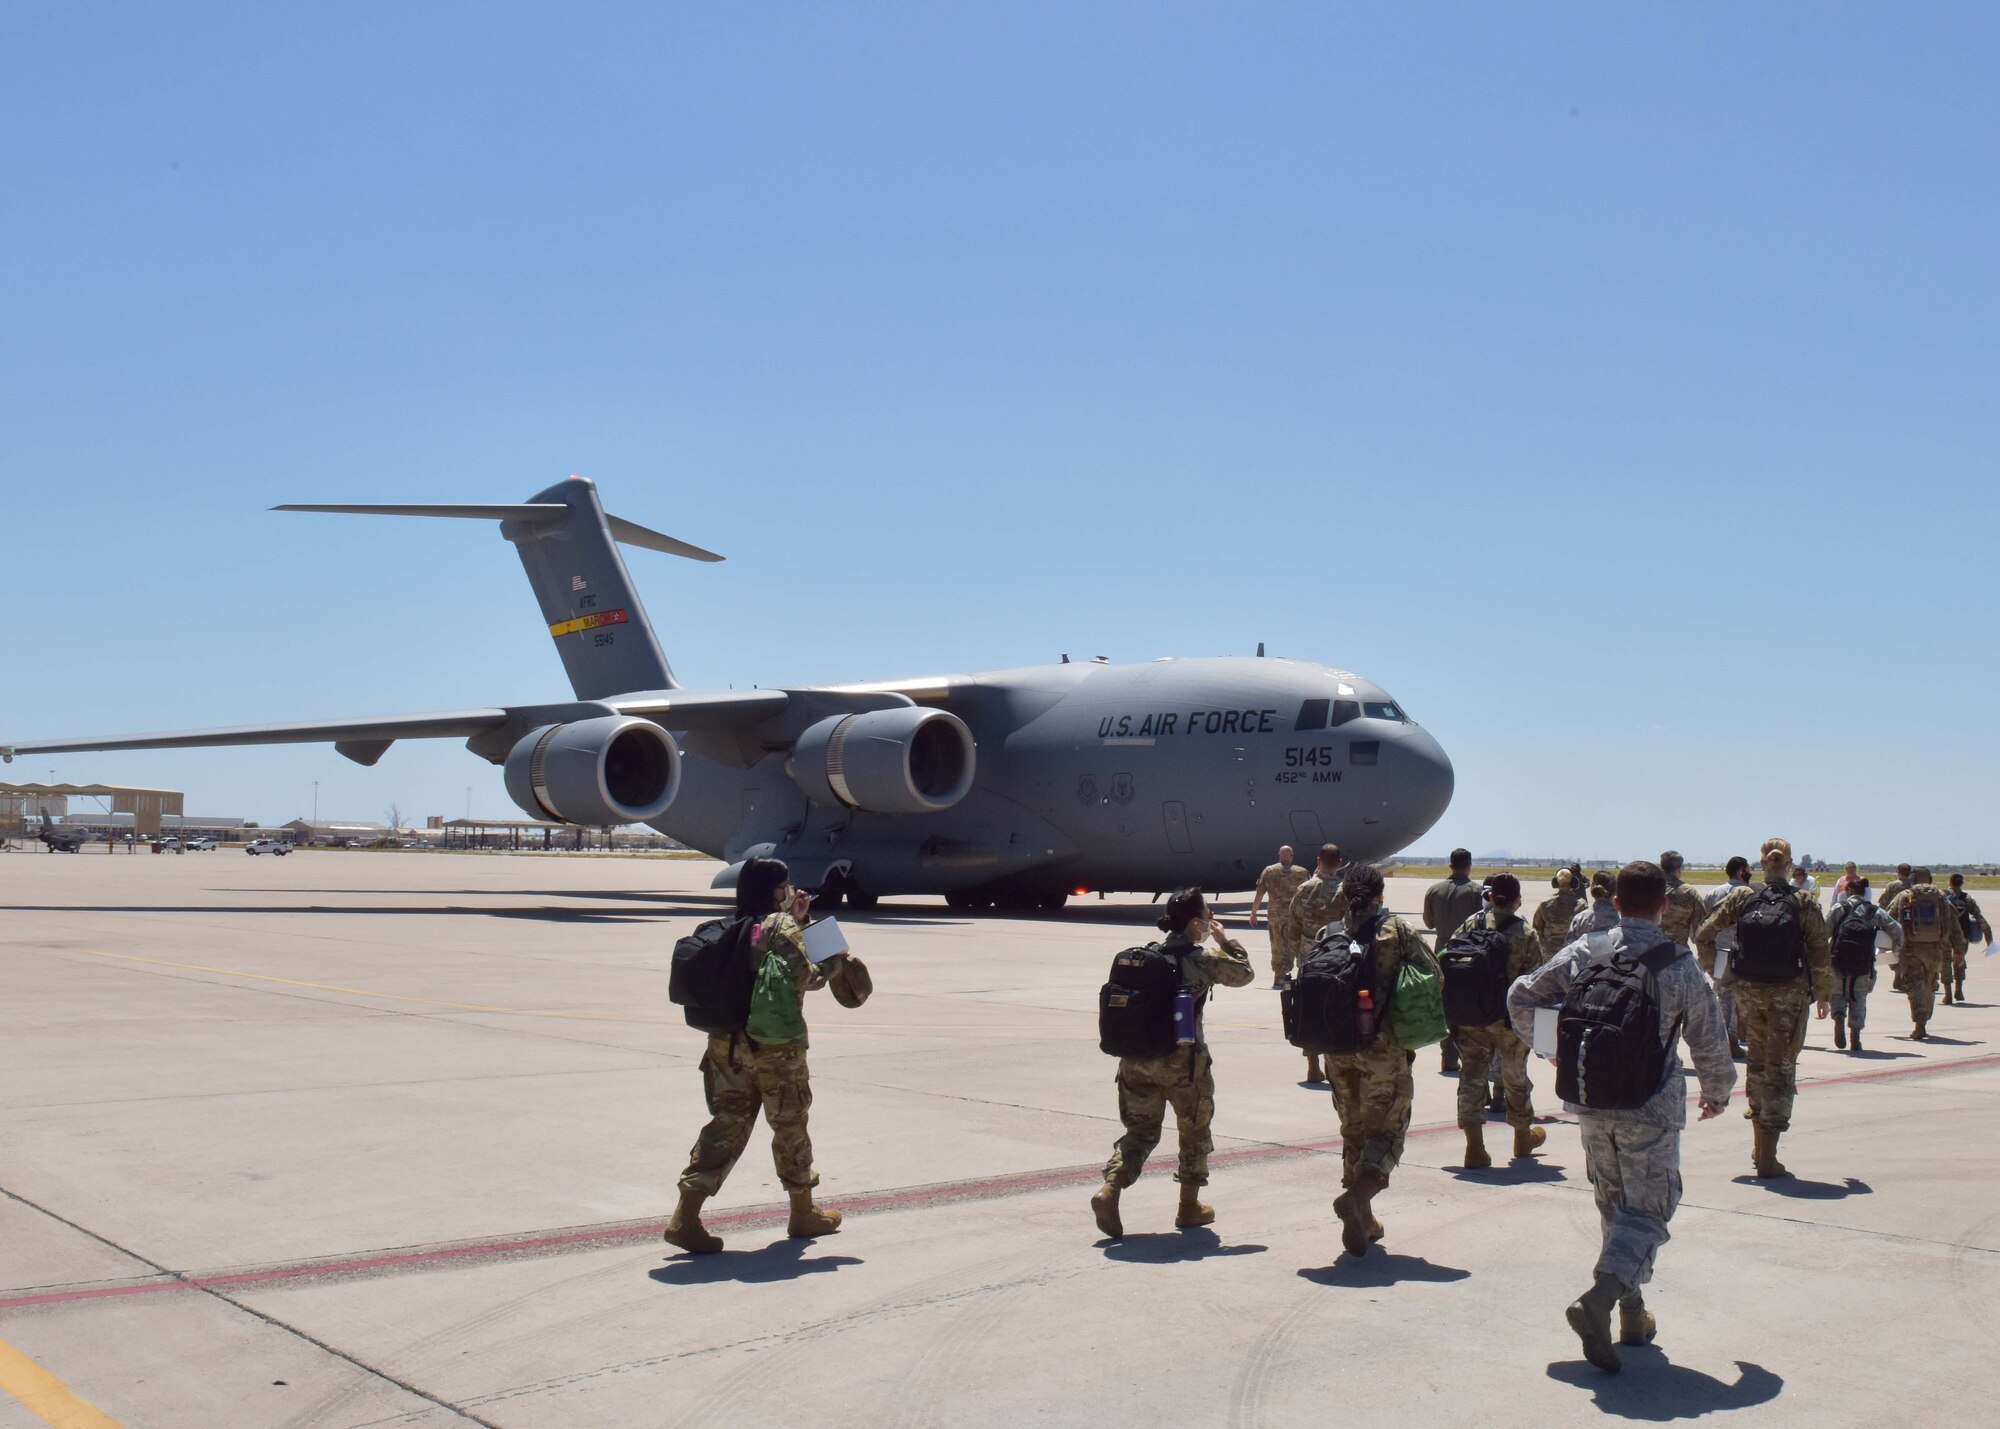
(1636, 1172)
(1146, 1085)
(1478, 1049)
(1372, 1091)
(1850, 999)
(738, 1084)
(1921, 971)
(1773, 1017)
(1285, 950)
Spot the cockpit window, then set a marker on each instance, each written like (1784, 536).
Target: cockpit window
(1345, 710)
(1312, 715)
(1382, 709)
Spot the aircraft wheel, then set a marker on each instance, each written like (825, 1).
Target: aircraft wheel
(1015, 900)
(1054, 899)
(958, 900)
(863, 902)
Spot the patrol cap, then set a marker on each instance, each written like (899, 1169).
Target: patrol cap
(849, 981)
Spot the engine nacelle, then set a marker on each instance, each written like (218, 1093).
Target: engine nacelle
(896, 761)
(611, 770)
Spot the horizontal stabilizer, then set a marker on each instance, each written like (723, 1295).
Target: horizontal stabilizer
(630, 533)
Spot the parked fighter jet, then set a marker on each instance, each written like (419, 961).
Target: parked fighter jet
(57, 840)
(1015, 787)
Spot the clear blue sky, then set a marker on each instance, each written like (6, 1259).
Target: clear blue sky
(1614, 384)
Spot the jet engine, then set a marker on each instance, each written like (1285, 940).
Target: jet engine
(894, 761)
(611, 770)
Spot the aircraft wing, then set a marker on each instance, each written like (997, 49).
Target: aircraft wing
(680, 709)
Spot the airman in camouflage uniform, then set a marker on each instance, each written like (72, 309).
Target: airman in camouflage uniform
(741, 1077)
(1279, 884)
(1685, 910)
(1480, 1047)
(1773, 1015)
(1372, 1088)
(1901, 881)
(1737, 871)
(1552, 917)
(1967, 908)
(1183, 1078)
(1321, 900)
(1447, 904)
(1923, 963)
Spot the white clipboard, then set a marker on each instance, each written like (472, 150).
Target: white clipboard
(1545, 1031)
(824, 940)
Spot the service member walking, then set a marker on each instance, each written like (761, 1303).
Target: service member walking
(1602, 914)
(1715, 961)
(1781, 969)
(1277, 886)
(1372, 1088)
(1853, 931)
(1321, 900)
(1448, 903)
(1181, 1073)
(1480, 962)
(741, 1075)
(1685, 908)
(1635, 991)
(1971, 924)
(1932, 943)
(1553, 914)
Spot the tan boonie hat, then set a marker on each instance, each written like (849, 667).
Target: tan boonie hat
(849, 981)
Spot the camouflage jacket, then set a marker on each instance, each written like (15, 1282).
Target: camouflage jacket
(1953, 941)
(1812, 923)
(1319, 901)
(1551, 921)
(1964, 900)
(1396, 943)
(1278, 885)
(1524, 949)
(1206, 967)
(1684, 913)
(1449, 902)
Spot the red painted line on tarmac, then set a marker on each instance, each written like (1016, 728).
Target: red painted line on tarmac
(986, 1188)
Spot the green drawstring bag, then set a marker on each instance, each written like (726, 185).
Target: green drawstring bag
(1416, 1009)
(775, 1018)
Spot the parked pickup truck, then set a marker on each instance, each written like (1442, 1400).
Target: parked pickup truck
(276, 846)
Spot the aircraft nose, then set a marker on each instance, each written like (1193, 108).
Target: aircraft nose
(1424, 783)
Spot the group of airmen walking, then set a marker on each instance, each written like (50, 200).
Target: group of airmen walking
(1631, 963)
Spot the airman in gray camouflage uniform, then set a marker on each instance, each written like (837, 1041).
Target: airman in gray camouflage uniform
(1773, 1015)
(1634, 1156)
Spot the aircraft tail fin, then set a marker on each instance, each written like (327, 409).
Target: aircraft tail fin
(569, 548)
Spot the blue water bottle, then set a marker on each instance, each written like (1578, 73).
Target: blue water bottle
(1184, 1019)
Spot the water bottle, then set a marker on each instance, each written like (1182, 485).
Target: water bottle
(1364, 1015)
(1184, 1029)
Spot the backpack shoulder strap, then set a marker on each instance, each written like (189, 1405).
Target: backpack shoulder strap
(1656, 960)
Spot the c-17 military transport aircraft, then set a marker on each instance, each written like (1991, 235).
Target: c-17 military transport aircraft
(1008, 787)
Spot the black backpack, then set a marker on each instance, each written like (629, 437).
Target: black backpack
(1967, 924)
(1854, 939)
(1475, 977)
(1609, 1056)
(1770, 943)
(1321, 1004)
(712, 975)
(1135, 1007)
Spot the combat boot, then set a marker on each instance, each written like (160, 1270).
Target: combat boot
(1840, 1031)
(1527, 1139)
(1636, 1325)
(1590, 1317)
(1947, 992)
(1313, 1073)
(1854, 1046)
(1959, 983)
(1917, 1033)
(1358, 1226)
(1192, 1212)
(685, 1229)
(1765, 1155)
(808, 1219)
(1476, 1158)
(1104, 1206)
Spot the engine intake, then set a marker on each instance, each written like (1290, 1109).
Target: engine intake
(610, 770)
(897, 761)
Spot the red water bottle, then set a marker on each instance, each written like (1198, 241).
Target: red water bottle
(1364, 1015)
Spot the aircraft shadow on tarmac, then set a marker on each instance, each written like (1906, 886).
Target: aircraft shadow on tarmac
(1802, 1190)
(1655, 1389)
(1377, 1269)
(1167, 1247)
(780, 1260)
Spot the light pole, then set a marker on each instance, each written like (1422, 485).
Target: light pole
(315, 827)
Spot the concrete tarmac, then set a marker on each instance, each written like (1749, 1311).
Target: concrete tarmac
(361, 1139)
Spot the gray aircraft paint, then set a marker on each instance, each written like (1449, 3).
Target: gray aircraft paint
(1089, 776)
